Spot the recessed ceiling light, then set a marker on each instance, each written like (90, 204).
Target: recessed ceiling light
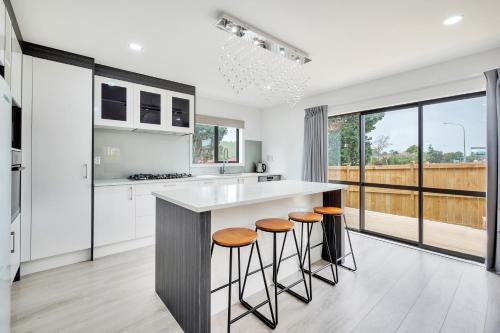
(453, 20)
(135, 46)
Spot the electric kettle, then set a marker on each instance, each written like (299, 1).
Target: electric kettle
(260, 167)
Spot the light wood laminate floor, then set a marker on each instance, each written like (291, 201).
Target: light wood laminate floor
(396, 289)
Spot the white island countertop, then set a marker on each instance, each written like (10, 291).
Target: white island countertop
(213, 197)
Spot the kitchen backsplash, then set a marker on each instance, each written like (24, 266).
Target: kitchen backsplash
(118, 154)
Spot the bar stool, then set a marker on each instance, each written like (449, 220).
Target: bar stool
(237, 238)
(339, 212)
(310, 219)
(276, 226)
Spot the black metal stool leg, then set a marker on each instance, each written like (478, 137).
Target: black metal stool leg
(288, 288)
(212, 249)
(253, 309)
(351, 253)
(229, 290)
(334, 274)
(331, 263)
(239, 272)
(308, 252)
(274, 319)
(275, 279)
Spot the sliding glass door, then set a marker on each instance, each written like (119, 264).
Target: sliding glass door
(391, 172)
(416, 173)
(454, 175)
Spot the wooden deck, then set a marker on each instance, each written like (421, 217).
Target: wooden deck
(449, 236)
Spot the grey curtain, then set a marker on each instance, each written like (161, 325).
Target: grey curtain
(492, 206)
(315, 155)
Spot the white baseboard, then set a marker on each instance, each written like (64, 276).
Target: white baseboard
(107, 250)
(44, 264)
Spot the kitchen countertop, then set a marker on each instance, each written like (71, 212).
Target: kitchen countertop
(125, 181)
(212, 197)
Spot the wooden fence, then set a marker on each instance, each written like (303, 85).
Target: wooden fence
(453, 209)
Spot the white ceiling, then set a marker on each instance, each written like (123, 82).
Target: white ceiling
(348, 41)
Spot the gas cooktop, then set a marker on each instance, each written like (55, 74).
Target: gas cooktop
(149, 176)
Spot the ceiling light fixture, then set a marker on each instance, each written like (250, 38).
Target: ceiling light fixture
(135, 46)
(251, 57)
(453, 20)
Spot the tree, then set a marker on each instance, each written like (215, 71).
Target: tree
(343, 138)
(434, 156)
(380, 144)
(204, 143)
(413, 149)
(453, 157)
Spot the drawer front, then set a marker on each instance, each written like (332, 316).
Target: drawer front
(147, 189)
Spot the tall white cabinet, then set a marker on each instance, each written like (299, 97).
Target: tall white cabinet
(61, 158)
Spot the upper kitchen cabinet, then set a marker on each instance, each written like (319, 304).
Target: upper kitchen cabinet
(150, 108)
(113, 103)
(180, 116)
(16, 70)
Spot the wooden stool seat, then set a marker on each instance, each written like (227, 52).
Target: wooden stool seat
(234, 237)
(305, 217)
(329, 210)
(274, 225)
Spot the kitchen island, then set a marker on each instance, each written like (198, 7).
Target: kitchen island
(185, 220)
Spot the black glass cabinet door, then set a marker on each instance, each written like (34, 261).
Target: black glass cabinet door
(150, 108)
(180, 112)
(113, 102)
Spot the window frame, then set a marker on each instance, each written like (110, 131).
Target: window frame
(420, 188)
(218, 162)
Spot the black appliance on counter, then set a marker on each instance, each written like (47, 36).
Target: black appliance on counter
(149, 176)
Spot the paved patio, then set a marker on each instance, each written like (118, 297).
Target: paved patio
(449, 236)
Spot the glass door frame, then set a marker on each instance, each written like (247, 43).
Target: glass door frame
(420, 188)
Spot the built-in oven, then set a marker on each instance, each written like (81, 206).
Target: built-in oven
(16, 169)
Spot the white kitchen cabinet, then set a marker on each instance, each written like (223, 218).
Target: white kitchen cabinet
(180, 114)
(113, 103)
(150, 109)
(2, 33)
(16, 70)
(15, 246)
(61, 158)
(8, 49)
(114, 214)
(27, 83)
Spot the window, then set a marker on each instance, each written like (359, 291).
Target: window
(215, 144)
(343, 147)
(416, 172)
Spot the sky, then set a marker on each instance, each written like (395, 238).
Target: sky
(401, 126)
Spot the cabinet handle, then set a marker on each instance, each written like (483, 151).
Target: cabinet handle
(131, 193)
(85, 175)
(12, 233)
(169, 185)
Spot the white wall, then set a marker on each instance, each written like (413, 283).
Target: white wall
(251, 115)
(283, 127)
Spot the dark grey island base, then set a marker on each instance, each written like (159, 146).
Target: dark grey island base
(183, 263)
